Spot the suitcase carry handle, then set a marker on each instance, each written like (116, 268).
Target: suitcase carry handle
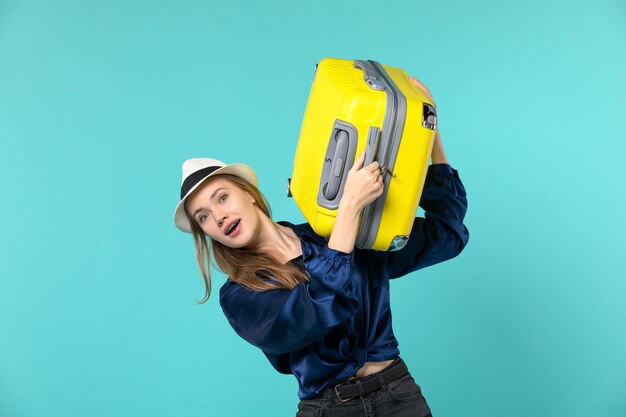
(331, 188)
(338, 168)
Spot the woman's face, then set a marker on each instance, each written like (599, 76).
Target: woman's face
(225, 212)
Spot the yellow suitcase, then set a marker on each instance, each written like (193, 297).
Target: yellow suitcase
(356, 105)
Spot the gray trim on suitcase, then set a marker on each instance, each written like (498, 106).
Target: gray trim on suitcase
(370, 75)
(429, 116)
(393, 125)
(341, 149)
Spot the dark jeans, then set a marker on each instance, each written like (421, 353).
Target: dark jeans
(401, 397)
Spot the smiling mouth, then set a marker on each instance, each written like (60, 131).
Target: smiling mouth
(232, 227)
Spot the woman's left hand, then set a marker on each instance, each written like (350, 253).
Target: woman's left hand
(364, 184)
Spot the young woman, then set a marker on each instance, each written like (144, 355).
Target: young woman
(320, 309)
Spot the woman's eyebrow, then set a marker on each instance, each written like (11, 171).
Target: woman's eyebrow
(215, 192)
(210, 198)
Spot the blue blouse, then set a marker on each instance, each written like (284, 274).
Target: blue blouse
(324, 330)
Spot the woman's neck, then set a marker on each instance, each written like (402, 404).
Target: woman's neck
(279, 240)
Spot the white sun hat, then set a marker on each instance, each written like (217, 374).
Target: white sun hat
(195, 172)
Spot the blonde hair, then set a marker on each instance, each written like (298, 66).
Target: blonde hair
(251, 268)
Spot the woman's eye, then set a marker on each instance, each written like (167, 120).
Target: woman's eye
(202, 218)
(223, 197)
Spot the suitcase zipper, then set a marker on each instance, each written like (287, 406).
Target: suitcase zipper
(395, 97)
(393, 125)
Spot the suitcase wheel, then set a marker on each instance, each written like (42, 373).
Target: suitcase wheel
(398, 243)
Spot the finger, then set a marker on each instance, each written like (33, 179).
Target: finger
(373, 167)
(425, 89)
(418, 83)
(358, 163)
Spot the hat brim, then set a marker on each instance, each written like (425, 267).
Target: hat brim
(238, 170)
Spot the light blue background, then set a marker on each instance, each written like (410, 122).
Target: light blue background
(100, 102)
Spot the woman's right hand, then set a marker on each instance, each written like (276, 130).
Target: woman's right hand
(422, 87)
(438, 154)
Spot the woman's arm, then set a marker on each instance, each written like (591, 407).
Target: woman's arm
(438, 155)
(363, 185)
(441, 234)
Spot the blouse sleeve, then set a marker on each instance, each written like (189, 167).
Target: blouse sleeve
(441, 234)
(284, 320)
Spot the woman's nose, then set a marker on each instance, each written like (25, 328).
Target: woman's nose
(221, 219)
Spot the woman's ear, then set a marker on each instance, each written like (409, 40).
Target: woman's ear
(251, 198)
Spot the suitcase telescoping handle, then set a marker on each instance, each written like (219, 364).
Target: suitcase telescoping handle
(371, 147)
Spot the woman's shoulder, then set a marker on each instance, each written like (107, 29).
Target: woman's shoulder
(231, 287)
(305, 232)
(300, 229)
(228, 285)
(231, 291)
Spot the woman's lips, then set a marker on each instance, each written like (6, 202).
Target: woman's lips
(236, 230)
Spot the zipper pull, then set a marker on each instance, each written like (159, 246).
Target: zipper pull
(385, 170)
